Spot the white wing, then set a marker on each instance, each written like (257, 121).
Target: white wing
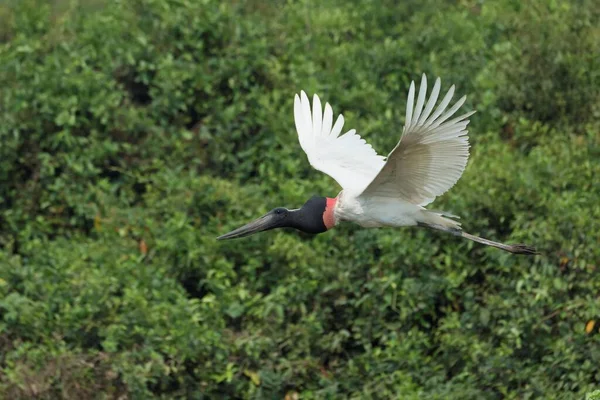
(348, 159)
(432, 152)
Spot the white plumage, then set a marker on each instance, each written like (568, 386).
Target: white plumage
(432, 153)
(348, 159)
(427, 161)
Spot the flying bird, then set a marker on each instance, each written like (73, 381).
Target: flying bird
(377, 191)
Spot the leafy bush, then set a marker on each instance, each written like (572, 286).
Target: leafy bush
(135, 132)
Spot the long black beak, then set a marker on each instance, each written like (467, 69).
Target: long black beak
(268, 221)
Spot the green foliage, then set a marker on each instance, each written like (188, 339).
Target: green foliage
(135, 132)
(595, 395)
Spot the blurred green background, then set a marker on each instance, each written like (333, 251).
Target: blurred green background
(133, 132)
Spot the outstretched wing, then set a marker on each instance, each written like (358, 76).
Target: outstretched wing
(432, 152)
(348, 158)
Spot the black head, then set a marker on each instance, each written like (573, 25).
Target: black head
(307, 219)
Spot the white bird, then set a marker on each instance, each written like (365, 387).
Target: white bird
(427, 161)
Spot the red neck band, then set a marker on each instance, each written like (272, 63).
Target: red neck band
(328, 217)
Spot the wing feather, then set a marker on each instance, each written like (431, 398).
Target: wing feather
(410, 103)
(432, 153)
(317, 117)
(431, 102)
(420, 100)
(327, 120)
(337, 128)
(348, 158)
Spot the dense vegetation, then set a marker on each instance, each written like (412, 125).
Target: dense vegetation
(134, 132)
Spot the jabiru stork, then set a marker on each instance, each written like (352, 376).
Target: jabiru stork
(427, 161)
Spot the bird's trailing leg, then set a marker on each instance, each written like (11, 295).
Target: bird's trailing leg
(512, 248)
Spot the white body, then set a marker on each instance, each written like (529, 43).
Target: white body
(429, 158)
(375, 212)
